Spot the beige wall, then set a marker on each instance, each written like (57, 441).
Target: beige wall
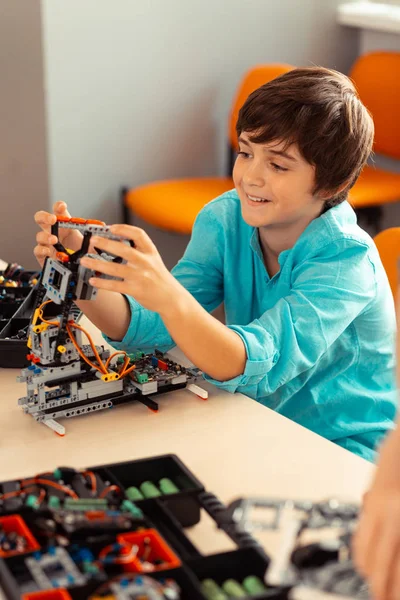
(135, 91)
(23, 169)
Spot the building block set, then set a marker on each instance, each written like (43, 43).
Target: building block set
(66, 377)
(118, 532)
(16, 291)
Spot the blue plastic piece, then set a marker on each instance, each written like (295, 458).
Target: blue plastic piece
(37, 555)
(52, 550)
(154, 361)
(125, 582)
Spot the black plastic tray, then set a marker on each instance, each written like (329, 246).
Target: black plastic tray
(168, 514)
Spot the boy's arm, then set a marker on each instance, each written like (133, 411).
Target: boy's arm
(128, 325)
(290, 338)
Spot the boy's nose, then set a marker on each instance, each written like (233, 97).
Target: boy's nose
(254, 176)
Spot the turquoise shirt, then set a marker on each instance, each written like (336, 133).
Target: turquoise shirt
(319, 334)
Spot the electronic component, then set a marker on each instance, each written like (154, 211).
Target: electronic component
(66, 377)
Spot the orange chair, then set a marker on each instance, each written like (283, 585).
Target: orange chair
(173, 205)
(388, 244)
(376, 78)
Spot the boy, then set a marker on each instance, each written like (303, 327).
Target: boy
(309, 312)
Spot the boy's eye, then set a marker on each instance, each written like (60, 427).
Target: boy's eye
(278, 167)
(244, 154)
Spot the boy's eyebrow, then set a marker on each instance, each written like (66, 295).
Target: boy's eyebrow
(281, 153)
(276, 152)
(243, 141)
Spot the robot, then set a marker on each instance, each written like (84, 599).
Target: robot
(322, 569)
(66, 377)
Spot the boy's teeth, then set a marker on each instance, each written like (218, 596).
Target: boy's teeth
(254, 199)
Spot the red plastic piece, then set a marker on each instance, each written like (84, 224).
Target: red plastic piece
(59, 594)
(17, 524)
(159, 550)
(62, 257)
(162, 365)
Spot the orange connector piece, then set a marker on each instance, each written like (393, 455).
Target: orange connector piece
(62, 257)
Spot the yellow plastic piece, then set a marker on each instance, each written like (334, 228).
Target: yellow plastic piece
(36, 316)
(29, 343)
(61, 349)
(40, 328)
(110, 377)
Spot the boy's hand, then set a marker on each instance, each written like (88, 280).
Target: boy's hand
(144, 275)
(70, 238)
(377, 541)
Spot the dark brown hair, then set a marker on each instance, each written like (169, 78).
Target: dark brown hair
(319, 110)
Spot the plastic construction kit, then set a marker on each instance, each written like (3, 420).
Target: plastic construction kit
(66, 377)
(117, 531)
(16, 289)
(326, 563)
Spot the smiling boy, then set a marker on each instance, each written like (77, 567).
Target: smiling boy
(309, 314)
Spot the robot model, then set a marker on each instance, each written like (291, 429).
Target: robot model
(66, 377)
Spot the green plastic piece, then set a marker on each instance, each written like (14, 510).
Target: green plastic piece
(233, 589)
(132, 508)
(212, 591)
(132, 493)
(57, 474)
(141, 377)
(89, 567)
(85, 504)
(149, 490)
(136, 355)
(253, 585)
(31, 501)
(54, 502)
(167, 486)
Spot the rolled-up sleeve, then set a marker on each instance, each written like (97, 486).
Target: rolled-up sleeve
(327, 294)
(200, 271)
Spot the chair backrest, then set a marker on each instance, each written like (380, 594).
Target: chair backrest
(252, 80)
(388, 244)
(376, 77)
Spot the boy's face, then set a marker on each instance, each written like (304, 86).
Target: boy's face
(275, 187)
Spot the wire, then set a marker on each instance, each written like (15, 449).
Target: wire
(93, 480)
(42, 317)
(57, 486)
(107, 490)
(101, 367)
(16, 493)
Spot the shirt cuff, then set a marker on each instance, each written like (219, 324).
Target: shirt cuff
(262, 355)
(128, 337)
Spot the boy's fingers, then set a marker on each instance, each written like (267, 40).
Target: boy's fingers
(41, 251)
(139, 236)
(394, 585)
(44, 219)
(383, 562)
(60, 209)
(43, 238)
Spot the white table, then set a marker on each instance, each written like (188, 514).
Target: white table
(235, 447)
